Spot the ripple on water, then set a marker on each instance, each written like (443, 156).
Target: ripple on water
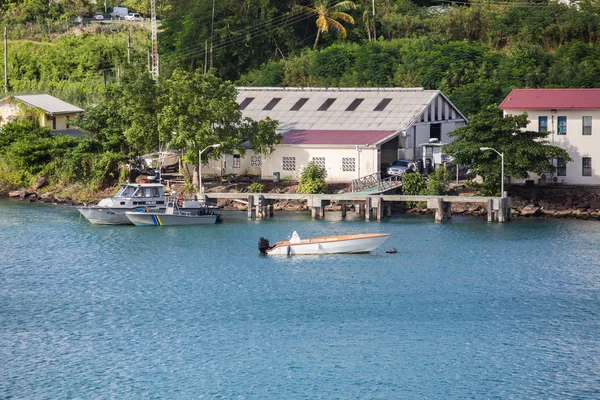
(465, 309)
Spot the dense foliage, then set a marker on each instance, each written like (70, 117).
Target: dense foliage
(524, 151)
(28, 150)
(312, 179)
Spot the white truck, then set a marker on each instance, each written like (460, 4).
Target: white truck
(119, 12)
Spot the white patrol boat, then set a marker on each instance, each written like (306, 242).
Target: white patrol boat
(149, 197)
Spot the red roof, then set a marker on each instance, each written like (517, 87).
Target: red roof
(335, 137)
(552, 99)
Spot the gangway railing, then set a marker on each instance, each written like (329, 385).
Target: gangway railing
(366, 182)
(372, 181)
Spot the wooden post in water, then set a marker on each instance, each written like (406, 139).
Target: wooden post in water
(379, 202)
(501, 209)
(343, 210)
(490, 211)
(250, 206)
(271, 209)
(260, 207)
(368, 207)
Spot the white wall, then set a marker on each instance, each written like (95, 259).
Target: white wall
(576, 144)
(366, 161)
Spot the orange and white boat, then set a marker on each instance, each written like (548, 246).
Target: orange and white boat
(362, 243)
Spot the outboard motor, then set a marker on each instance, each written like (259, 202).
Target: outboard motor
(263, 245)
(419, 165)
(428, 165)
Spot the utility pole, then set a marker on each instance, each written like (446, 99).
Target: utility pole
(374, 31)
(5, 61)
(155, 62)
(128, 47)
(212, 23)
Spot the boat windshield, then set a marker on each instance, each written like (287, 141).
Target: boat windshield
(125, 191)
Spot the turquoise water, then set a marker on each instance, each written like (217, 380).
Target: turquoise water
(465, 309)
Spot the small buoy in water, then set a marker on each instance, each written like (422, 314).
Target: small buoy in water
(391, 251)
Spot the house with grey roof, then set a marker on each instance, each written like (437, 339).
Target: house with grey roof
(49, 110)
(352, 132)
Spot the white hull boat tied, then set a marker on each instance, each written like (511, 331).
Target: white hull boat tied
(362, 243)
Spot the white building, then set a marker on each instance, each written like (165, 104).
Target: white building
(353, 132)
(572, 116)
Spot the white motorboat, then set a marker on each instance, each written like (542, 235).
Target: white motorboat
(362, 243)
(135, 197)
(174, 216)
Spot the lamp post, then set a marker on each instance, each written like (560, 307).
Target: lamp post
(502, 166)
(200, 165)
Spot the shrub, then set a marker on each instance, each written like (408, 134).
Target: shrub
(256, 187)
(438, 182)
(312, 179)
(413, 184)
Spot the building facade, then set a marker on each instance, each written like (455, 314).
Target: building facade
(48, 110)
(572, 118)
(352, 132)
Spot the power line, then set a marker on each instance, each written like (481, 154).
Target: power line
(255, 31)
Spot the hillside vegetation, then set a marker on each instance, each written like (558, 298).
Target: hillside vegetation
(474, 52)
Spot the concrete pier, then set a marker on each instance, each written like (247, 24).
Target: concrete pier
(367, 206)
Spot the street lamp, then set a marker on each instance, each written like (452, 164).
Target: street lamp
(502, 171)
(200, 165)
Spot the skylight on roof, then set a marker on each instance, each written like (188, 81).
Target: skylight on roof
(382, 104)
(326, 105)
(245, 103)
(354, 105)
(272, 103)
(299, 104)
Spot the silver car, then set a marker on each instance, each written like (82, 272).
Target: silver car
(400, 167)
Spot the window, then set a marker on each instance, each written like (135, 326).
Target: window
(325, 106)
(382, 104)
(586, 166)
(289, 163)
(53, 122)
(587, 125)
(542, 124)
(348, 164)
(562, 125)
(354, 105)
(255, 161)
(236, 161)
(272, 103)
(561, 167)
(299, 104)
(246, 102)
(319, 161)
(435, 131)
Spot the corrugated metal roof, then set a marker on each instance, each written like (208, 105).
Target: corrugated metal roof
(335, 137)
(552, 99)
(48, 103)
(406, 104)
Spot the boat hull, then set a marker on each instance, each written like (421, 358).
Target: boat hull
(330, 245)
(107, 216)
(161, 219)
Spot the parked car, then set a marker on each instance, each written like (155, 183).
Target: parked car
(400, 167)
(133, 17)
(99, 16)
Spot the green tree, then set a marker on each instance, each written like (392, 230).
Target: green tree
(312, 179)
(329, 17)
(524, 151)
(199, 110)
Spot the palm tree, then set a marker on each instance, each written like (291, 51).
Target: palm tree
(329, 17)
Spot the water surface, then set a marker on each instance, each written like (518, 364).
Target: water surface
(465, 309)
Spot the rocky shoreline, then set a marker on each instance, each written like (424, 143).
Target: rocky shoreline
(527, 202)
